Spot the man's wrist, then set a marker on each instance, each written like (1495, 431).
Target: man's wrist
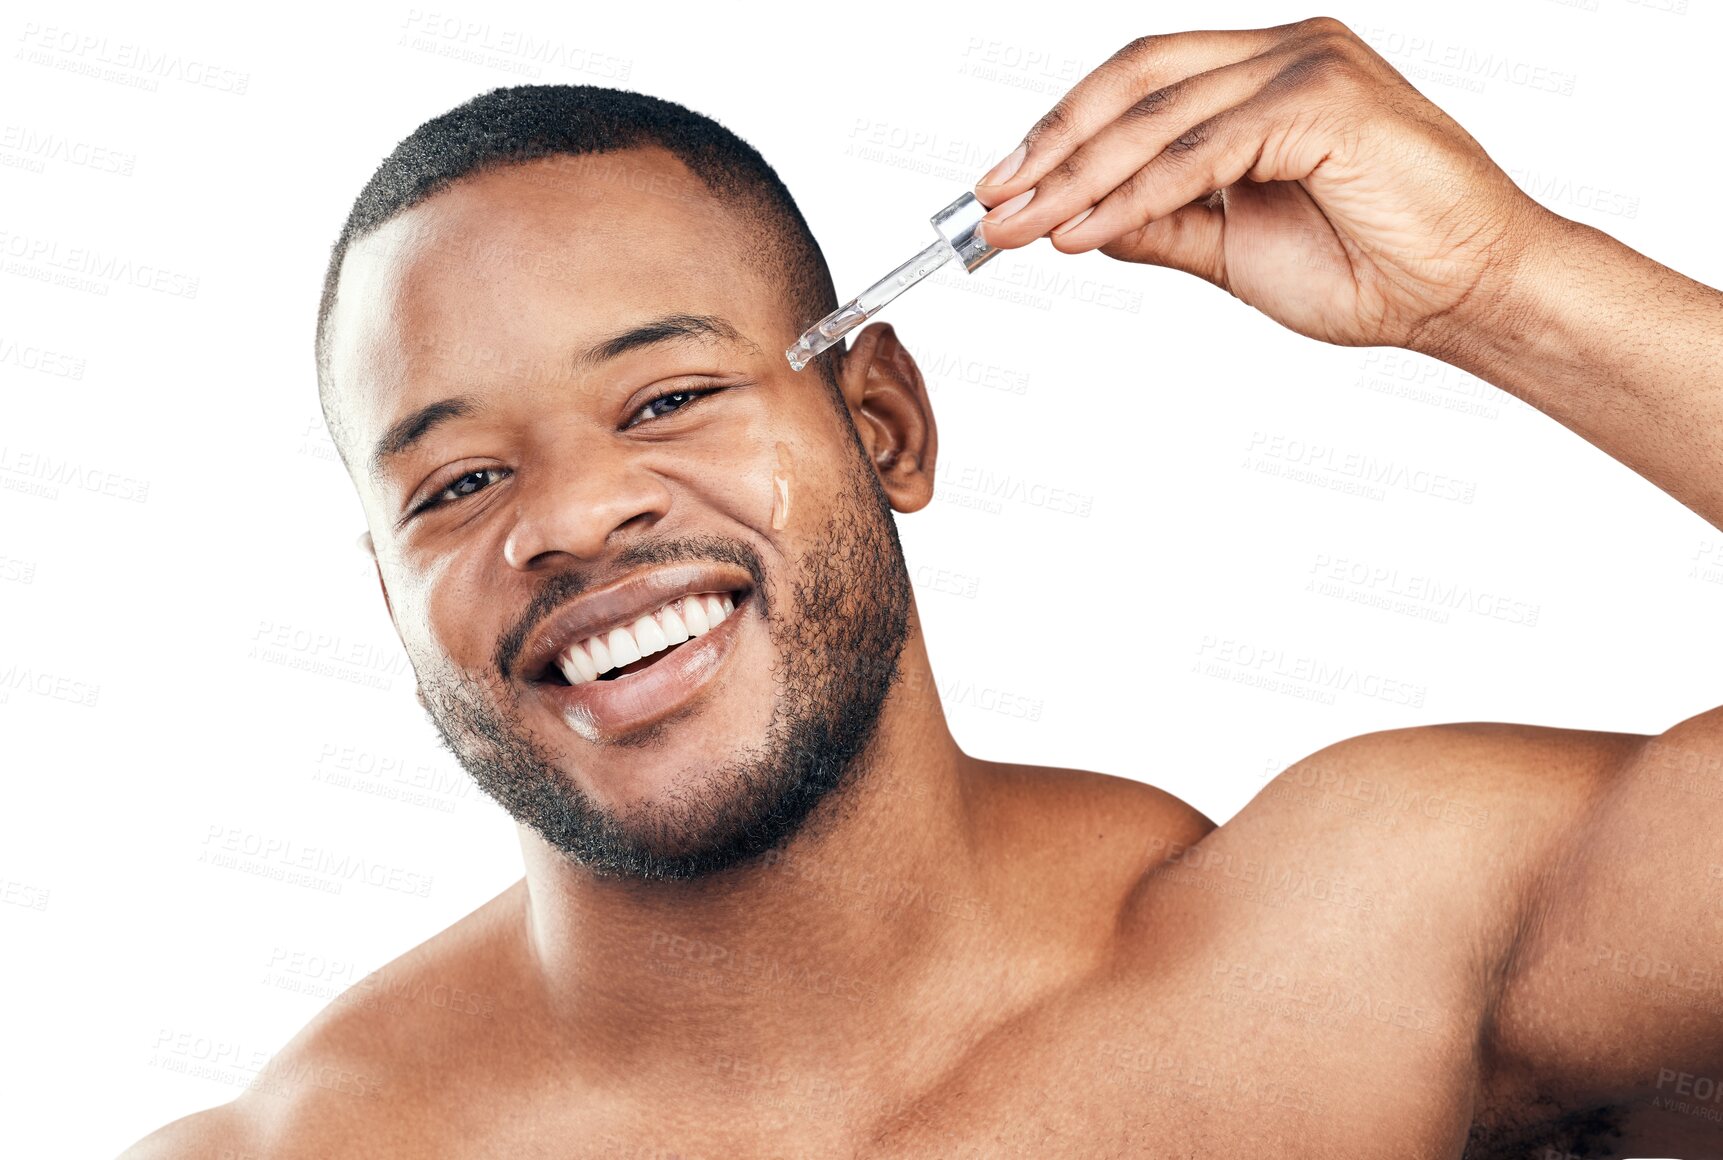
(1549, 327)
(1515, 312)
(1610, 343)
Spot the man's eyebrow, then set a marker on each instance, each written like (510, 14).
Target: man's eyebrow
(401, 437)
(671, 326)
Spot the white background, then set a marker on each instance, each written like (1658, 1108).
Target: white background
(193, 654)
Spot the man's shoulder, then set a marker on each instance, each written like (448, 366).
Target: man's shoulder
(1120, 819)
(226, 1131)
(1451, 826)
(1464, 778)
(1459, 784)
(352, 1069)
(1465, 788)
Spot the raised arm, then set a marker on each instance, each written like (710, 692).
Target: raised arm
(1296, 169)
(1624, 351)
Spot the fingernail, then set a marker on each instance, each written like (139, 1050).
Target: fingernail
(1002, 172)
(1006, 208)
(1074, 222)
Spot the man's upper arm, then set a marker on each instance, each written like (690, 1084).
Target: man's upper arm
(1614, 988)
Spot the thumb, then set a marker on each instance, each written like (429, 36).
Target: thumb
(1187, 239)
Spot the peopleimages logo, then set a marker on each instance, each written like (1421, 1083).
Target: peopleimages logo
(1413, 594)
(236, 848)
(87, 268)
(1285, 455)
(136, 65)
(1311, 678)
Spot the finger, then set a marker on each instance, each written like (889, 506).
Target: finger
(1272, 137)
(1142, 66)
(1188, 239)
(1210, 156)
(1119, 150)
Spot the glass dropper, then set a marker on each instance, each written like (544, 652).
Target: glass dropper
(955, 225)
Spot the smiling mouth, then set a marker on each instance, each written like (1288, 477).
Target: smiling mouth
(624, 650)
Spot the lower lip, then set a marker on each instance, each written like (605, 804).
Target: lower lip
(596, 709)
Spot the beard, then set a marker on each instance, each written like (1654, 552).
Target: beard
(838, 628)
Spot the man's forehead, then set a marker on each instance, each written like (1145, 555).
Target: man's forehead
(507, 272)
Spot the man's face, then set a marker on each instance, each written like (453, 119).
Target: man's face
(509, 525)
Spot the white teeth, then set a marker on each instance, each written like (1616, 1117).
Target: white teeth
(655, 632)
(600, 655)
(577, 666)
(649, 636)
(622, 648)
(675, 632)
(694, 616)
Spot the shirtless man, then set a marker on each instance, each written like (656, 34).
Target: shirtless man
(770, 908)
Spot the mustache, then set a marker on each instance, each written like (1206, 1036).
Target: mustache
(561, 587)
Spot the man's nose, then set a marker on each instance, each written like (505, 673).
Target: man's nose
(576, 507)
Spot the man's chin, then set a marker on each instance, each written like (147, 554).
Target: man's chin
(655, 851)
(694, 822)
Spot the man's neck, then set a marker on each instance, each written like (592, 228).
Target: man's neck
(809, 944)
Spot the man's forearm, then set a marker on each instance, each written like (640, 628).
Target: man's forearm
(1623, 351)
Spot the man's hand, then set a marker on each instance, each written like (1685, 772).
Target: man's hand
(1294, 168)
(1344, 205)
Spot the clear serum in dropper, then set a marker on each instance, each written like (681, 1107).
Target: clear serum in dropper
(955, 225)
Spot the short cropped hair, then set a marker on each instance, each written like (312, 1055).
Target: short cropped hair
(509, 126)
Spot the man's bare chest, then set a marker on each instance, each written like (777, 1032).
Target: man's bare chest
(1269, 991)
(1237, 1046)
(1268, 1026)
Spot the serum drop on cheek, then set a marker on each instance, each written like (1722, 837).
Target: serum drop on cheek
(781, 489)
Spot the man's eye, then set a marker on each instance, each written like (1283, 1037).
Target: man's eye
(679, 399)
(459, 488)
(465, 485)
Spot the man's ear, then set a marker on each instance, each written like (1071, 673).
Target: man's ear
(366, 546)
(888, 401)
